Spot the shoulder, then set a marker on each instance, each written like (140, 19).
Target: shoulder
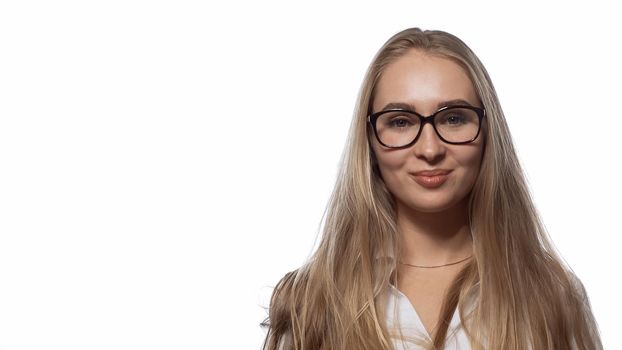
(283, 290)
(589, 324)
(279, 320)
(292, 283)
(577, 287)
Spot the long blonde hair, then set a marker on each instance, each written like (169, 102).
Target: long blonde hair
(527, 298)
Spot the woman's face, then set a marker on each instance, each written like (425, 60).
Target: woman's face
(426, 83)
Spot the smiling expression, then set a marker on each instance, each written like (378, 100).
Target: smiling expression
(423, 83)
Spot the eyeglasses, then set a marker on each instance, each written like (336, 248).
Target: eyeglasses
(400, 128)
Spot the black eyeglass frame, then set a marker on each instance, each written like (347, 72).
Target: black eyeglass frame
(372, 118)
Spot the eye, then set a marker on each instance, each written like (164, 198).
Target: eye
(455, 118)
(399, 122)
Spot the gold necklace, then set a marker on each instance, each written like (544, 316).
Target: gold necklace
(430, 267)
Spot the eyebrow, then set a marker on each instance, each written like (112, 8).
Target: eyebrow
(402, 105)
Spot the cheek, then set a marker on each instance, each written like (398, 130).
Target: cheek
(387, 160)
(471, 162)
(390, 161)
(391, 164)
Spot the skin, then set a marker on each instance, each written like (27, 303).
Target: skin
(433, 223)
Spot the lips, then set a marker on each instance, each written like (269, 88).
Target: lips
(431, 178)
(432, 172)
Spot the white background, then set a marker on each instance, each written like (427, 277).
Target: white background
(164, 163)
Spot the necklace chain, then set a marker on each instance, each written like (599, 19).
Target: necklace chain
(430, 267)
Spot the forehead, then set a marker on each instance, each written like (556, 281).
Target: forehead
(423, 81)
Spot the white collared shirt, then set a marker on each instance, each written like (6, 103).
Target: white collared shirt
(399, 308)
(402, 316)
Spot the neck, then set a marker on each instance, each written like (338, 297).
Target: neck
(434, 238)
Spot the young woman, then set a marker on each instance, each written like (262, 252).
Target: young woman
(431, 239)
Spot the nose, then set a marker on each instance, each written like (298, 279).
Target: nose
(429, 146)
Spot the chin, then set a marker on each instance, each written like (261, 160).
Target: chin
(436, 205)
(431, 209)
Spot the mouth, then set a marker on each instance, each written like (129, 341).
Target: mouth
(433, 172)
(431, 179)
